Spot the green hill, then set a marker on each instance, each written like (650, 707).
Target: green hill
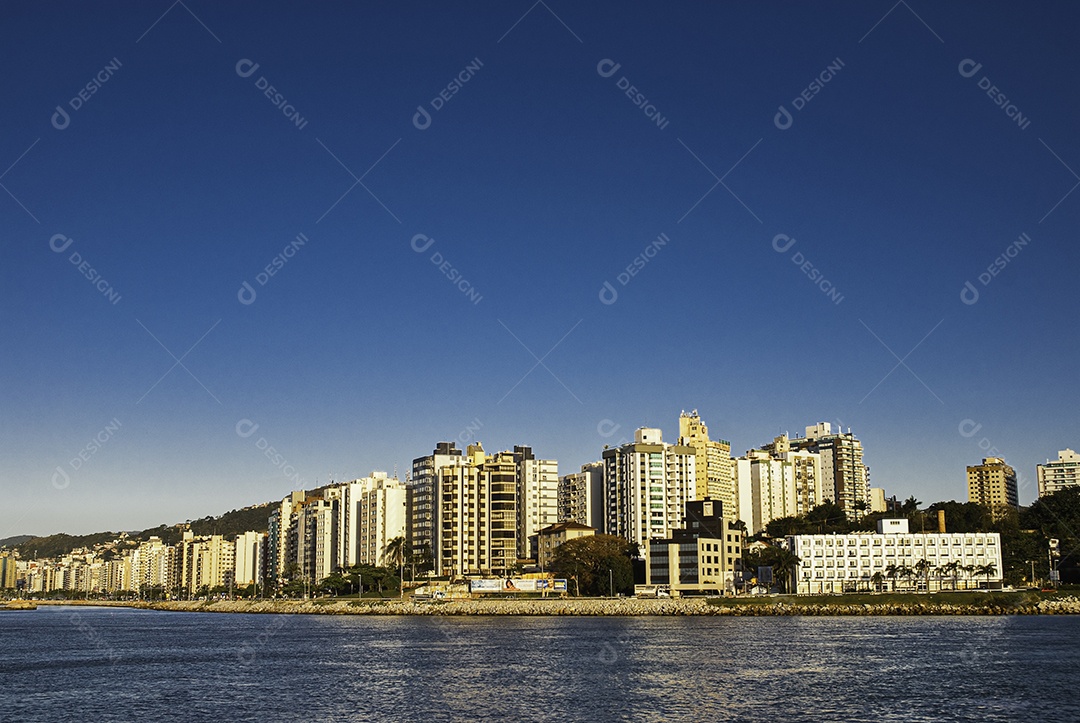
(14, 540)
(229, 525)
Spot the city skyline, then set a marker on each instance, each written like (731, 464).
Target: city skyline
(353, 233)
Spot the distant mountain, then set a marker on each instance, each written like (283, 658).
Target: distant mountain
(229, 525)
(15, 540)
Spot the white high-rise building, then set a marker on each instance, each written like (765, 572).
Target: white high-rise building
(777, 482)
(279, 549)
(537, 498)
(248, 558)
(646, 487)
(371, 512)
(1059, 475)
(381, 512)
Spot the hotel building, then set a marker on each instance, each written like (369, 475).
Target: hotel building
(848, 563)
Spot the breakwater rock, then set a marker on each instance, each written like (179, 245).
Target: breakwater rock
(1018, 605)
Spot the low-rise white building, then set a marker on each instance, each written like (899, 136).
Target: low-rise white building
(849, 563)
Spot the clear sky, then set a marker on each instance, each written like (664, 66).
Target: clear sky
(471, 185)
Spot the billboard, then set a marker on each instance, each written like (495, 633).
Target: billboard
(515, 584)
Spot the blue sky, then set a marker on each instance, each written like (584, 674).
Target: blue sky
(176, 180)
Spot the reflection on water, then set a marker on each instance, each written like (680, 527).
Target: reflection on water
(113, 665)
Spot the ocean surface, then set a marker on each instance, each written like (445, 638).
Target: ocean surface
(100, 664)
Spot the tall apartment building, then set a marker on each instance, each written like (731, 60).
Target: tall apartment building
(777, 482)
(581, 496)
(313, 538)
(370, 513)
(381, 507)
(8, 563)
(477, 518)
(537, 498)
(153, 565)
(647, 484)
(993, 484)
(1059, 475)
(421, 505)
(279, 533)
(713, 463)
(205, 562)
(249, 558)
(845, 480)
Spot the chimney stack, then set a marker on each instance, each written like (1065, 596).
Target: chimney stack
(941, 521)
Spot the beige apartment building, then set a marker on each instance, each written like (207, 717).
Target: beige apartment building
(713, 463)
(993, 484)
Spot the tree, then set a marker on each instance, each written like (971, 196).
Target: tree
(989, 569)
(877, 578)
(906, 573)
(783, 562)
(962, 516)
(951, 569)
(828, 517)
(593, 560)
(922, 568)
(395, 555)
(891, 571)
(969, 570)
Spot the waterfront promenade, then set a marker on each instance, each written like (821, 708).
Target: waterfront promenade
(968, 603)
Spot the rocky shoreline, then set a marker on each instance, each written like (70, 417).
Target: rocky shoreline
(607, 607)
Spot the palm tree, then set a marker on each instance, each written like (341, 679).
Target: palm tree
(905, 573)
(922, 568)
(785, 563)
(395, 553)
(951, 569)
(969, 570)
(891, 571)
(988, 569)
(877, 578)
